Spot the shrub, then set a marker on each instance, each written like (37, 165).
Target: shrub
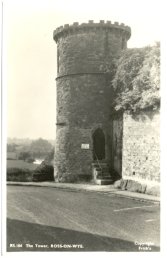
(44, 172)
(19, 175)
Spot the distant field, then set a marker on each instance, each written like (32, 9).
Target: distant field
(20, 164)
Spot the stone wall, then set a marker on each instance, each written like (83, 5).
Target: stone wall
(141, 146)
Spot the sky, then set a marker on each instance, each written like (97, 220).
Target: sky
(30, 52)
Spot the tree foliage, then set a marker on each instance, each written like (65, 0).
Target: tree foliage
(11, 147)
(136, 81)
(40, 147)
(24, 155)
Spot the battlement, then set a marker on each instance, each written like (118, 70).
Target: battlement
(67, 28)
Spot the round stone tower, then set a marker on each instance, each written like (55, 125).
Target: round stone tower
(83, 95)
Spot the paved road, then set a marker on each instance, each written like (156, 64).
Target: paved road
(49, 219)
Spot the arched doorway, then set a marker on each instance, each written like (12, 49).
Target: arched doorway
(98, 145)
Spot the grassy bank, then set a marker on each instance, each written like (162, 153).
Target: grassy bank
(21, 164)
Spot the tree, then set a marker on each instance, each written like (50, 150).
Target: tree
(136, 81)
(40, 147)
(11, 147)
(24, 155)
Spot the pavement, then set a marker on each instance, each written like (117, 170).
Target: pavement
(103, 189)
(57, 219)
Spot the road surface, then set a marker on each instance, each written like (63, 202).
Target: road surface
(50, 219)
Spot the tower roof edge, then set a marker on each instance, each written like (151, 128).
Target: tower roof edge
(67, 28)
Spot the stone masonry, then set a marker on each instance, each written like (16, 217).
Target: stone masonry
(129, 143)
(83, 94)
(141, 146)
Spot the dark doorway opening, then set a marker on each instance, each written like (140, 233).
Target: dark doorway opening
(98, 145)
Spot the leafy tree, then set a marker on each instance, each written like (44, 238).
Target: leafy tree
(40, 147)
(137, 79)
(11, 147)
(50, 156)
(24, 155)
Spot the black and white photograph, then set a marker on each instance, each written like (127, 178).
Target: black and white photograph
(82, 112)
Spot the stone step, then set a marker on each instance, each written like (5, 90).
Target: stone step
(102, 170)
(100, 165)
(99, 161)
(101, 173)
(104, 177)
(106, 166)
(103, 181)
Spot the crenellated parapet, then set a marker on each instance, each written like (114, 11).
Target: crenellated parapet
(91, 25)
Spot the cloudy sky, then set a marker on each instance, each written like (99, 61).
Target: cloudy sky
(30, 52)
